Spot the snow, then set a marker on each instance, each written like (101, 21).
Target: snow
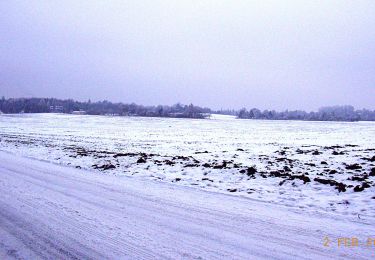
(222, 117)
(176, 151)
(58, 212)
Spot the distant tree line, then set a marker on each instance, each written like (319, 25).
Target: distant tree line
(230, 112)
(333, 113)
(53, 105)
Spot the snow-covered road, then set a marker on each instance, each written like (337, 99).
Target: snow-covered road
(55, 212)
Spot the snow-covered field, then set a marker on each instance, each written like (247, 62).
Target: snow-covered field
(49, 211)
(314, 166)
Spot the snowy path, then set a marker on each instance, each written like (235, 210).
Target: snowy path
(49, 211)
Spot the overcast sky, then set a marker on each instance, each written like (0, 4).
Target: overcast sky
(229, 54)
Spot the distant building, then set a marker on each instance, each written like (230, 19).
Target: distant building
(56, 109)
(79, 112)
(111, 114)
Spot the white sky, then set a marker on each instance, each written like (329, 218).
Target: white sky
(229, 54)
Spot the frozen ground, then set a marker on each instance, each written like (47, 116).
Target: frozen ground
(315, 166)
(49, 211)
